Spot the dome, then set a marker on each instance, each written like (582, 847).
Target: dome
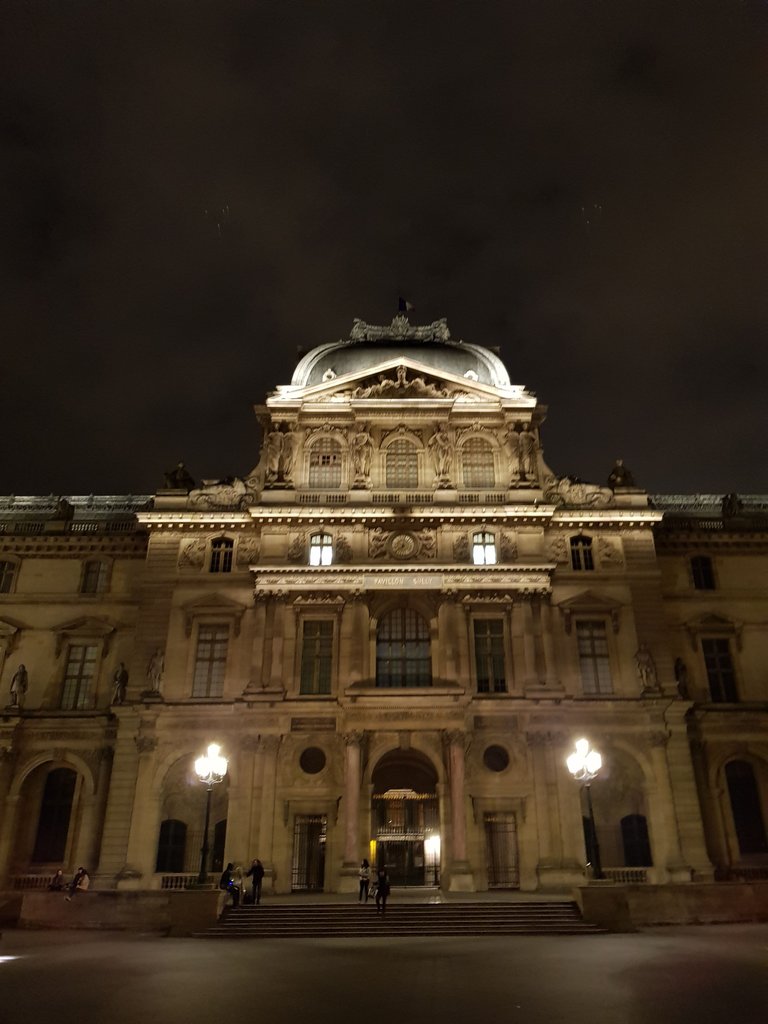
(369, 345)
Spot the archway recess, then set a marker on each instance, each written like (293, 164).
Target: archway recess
(405, 818)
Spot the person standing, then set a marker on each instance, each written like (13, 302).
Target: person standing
(256, 874)
(365, 881)
(382, 890)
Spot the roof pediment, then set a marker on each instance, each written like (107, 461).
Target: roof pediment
(212, 606)
(588, 602)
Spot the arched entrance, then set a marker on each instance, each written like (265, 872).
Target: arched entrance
(405, 819)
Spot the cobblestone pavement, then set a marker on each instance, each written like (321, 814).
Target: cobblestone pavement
(692, 975)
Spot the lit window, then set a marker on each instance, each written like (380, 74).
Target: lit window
(402, 650)
(477, 462)
(210, 661)
(483, 549)
(7, 576)
(489, 656)
(594, 663)
(79, 677)
(316, 656)
(581, 553)
(221, 554)
(702, 574)
(325, 463)
(94, 579)
(321, 549)
(402, 464)
(719, 666)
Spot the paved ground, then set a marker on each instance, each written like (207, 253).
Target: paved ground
(712, 974)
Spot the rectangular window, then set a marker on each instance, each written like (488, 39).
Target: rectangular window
(402, 464)
(489, 656)
(79, 677)
(210, 661)
(316, 656)
(94, 578)
(701, 571)
(594, 663)
(719, 665)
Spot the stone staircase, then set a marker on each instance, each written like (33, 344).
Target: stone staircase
(300, 921)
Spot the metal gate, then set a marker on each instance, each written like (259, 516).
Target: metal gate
(501, 850)
(308, 872)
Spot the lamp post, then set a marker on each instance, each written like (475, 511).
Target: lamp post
(584, 764)
(210, 768)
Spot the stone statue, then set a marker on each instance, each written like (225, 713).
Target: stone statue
(230, 492)
(274, 449)
(646, 668)
(620, 476)
(528, 449)
(441, 449)
(732, 506)
(179, 479)
(19, 687)
(513, 444)
(362, 449)
(119, 684)
(681, 676)
(290, 444)
(155, 670)
(64, 509)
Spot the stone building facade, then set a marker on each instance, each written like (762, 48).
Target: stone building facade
(395, 627)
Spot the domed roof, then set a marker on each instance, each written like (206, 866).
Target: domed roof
(369, 345)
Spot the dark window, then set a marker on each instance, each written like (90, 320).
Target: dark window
(477, 460)
(402, 464)
(581, 553)
(402, 650)
(745, 806)
(590, 840)
(489, 656)
(55, 812)
(321, 549)
(219, 842)
(210, 661)
(495, 758)
(221, 555)
(79, 677)
(7, 575)
(701, 571)
(316, 656)
(94, 579)
(171, 846)
(312, 760)
(325, 464)
(634, 836)
(594, 662)
(719, 666)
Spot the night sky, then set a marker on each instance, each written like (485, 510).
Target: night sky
(192, 190)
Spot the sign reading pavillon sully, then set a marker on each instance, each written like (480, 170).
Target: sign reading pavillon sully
(395, 625)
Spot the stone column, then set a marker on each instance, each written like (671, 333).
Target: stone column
(529, 646)
(352, 764)
(548, 643)
(93, 828)
(140, 856)
(8, 808)
(113, 863)
(557, 867)
(516, 635)
(268, 750)
(461, 879)
(278, 641)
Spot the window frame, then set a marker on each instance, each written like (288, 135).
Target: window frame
(702, 572)
(102, 577)
(221, 558)
(581, 553)
(83, 697)
(328, 477)
(315, 659)
(9, 576)
(401, 474)
(468, 466)
(484, 551)
(323, 544)
(594, 657)
(477, 655)
(716, 679)
(399, 680)
(197, 661)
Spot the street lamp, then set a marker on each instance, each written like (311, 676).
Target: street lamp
(210, 769)
(584, 764)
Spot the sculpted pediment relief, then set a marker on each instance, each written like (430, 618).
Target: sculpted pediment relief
(87, 628)
(212, 606)
(590, 603)
(713, 625)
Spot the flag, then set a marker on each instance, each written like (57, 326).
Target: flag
(404, 306)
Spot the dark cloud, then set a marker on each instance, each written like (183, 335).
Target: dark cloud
(190, 191)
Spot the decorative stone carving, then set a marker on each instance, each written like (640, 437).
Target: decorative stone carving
(609, 553)
(399, 329)
(248, 549)
(558, 550)
(646, 669)
(250, 743)
(461, 549)
(231, 492)
(155, 669)
(440, 448)
(361, 448)
(192, 554)
(19, 687)
(119, 684)
(401, 387)
(528, 448)
(401, 545)
(681, 678)
(146, 744)
(343, 550)
(297, 550)
(571, 491)
(512, 441)
(508, 548)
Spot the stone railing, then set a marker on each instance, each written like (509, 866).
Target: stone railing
(182, 880)
(626, 876)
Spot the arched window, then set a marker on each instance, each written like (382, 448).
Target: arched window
(477, 463)
(94, 578)
(321, 549)
(483, 549)
(221, 554)
(745, 807)
(701, 573)
(171, 846)
(325, 463)
(637, 846)
(7, 576)
(55, 811)
(581, 553)
(402, 650)
(402, 464)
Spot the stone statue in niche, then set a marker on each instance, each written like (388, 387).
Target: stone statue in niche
(119, 684)
(441, 450)
(179, 478)
(155, 669)
(646, 668)
(681, 677)
(461, 549)
(528, 450)
(362, 449)
(19, 687)
(343, 550)
(512, 439)
(288, 458)
(620, 476)
(273, 449)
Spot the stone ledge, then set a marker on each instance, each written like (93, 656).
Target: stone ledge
(625, 908)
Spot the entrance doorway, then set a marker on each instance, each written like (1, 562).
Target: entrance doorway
(501, 851)
(308, 870)
(405, 819)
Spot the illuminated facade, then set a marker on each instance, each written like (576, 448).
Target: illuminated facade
(396, 626)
